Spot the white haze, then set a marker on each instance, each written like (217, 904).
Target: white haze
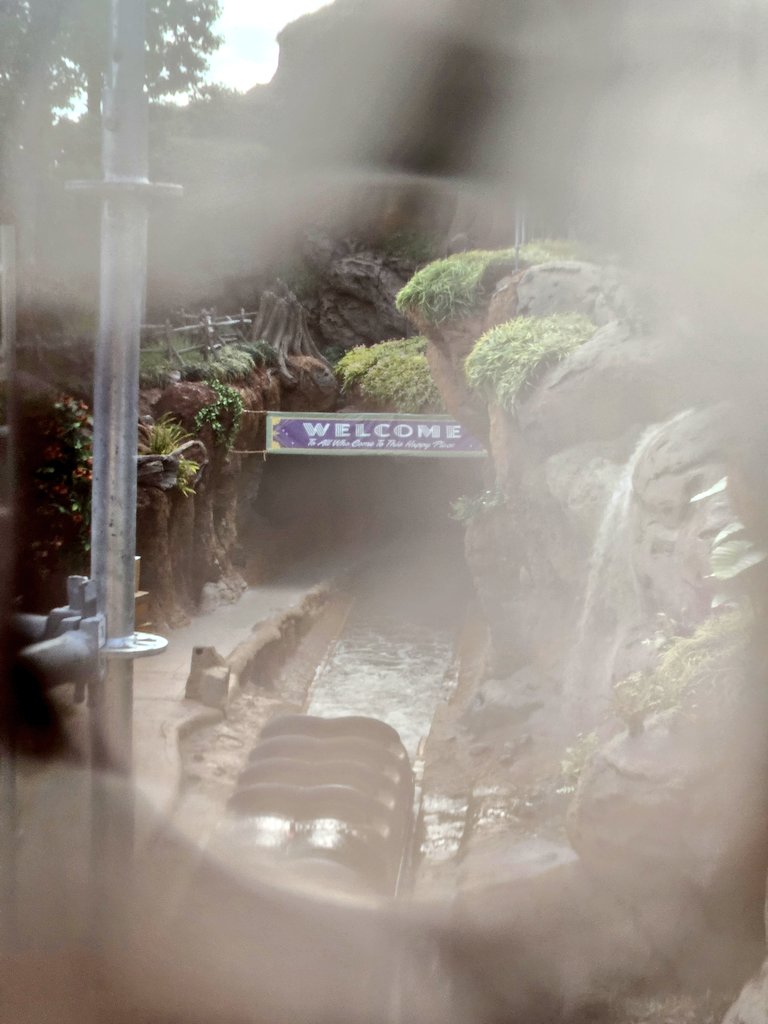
(671, 175)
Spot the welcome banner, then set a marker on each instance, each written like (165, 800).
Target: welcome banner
(366, 433)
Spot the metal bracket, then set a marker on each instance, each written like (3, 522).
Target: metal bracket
(137, 645)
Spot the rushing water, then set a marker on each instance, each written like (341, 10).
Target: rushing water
(611, 594)
(394, 660)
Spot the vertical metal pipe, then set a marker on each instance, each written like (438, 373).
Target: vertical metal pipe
(123, 272)
(116, 376)
(8, 811)
(8, 299)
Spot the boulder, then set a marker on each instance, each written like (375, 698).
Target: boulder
(184, 400)
(751, 1007)
(672, 537)
(672, 820)
(615, 380)
(355, 299)
(540, 938)
(566, 286)
(501, 706)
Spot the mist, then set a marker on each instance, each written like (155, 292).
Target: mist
(637, 131)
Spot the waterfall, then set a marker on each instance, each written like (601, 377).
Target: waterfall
(611, 583)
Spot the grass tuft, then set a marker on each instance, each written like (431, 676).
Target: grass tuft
(512, 355)
(687, 666)
(456, 287)
(392, 374)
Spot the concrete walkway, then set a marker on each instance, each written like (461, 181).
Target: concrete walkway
(161, 712)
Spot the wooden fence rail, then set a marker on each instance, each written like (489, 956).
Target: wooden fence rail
(209, 332)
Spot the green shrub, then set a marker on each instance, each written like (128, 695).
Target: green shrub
(392, 374)
(228, 364)
(687, 666)
(262, 353)
(450, 288)
(231, 363)
(222, 415)
(155, 369)
(511, 355)
(60, 514)
(353, 365)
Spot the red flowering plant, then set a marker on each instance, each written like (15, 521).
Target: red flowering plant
(62, 485)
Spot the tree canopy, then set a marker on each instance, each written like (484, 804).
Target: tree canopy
(60, 47)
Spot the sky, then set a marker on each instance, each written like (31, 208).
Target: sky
(249, 52)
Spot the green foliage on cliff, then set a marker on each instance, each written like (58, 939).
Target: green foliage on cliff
(229, 364)
(393, 375)
(455, 287)
(687, 666)
(164, 437)
(222, 415)
(451, 288)
(511, 355)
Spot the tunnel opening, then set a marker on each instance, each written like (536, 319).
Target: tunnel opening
(331, 510)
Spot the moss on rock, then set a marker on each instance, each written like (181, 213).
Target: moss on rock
(451, 288)
(510, 356)
(456, 287)
(688, 667)
(392, 374)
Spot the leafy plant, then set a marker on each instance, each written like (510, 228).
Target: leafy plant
(391, 374)
(62, 482)
(222, 415)
(162, 437)
(732, 553)
(467, 506)
(510, 356)
(186, 473)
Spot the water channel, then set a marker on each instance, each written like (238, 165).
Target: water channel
(394, 659)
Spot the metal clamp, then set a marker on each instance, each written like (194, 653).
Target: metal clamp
(137, 645)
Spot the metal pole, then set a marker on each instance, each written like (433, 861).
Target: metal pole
(8, 808)
(116, 380)
(7, 301)
(115, 414)
(125, 191)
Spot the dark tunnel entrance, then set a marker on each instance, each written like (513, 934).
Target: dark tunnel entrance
(327, 508)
